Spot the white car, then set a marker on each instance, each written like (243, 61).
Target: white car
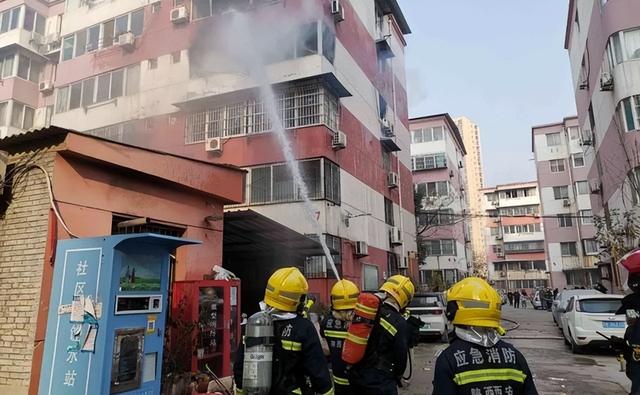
(588, 315)
(430, 308)
(560, 303)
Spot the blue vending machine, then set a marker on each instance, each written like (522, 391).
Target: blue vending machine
(105, 328)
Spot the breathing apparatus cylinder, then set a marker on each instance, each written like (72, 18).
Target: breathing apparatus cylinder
(258, 354)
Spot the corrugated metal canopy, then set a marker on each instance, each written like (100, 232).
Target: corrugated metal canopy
(247, 232)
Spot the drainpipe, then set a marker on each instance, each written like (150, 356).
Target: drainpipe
(581, 257)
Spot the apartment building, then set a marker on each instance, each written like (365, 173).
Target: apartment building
(515, 236)
(439, 176)
(565, 193)
(602, 39)
(475, 182)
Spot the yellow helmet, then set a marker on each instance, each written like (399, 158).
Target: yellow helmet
(401, 288)
(286, 289)
(474, 302)
(344, 295)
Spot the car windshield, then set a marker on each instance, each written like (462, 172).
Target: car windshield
(424, 301)
(603, 306)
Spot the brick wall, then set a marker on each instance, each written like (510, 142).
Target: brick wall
(23, 237)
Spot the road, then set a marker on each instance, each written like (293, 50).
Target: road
(555, 369)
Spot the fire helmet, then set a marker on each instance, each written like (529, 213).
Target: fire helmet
(400, 288)
(473, 302)
(344, 295)
(286, 289)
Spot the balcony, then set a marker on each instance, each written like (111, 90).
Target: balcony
(32, 41)
(576, 262)
(515, 237)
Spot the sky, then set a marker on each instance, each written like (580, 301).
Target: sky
(502, 63)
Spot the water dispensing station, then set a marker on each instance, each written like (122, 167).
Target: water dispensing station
(105, 328)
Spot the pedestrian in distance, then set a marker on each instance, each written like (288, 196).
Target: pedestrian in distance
(555, 293)
(523, 298)
(516, 299)
(510, 297)
(477, 361)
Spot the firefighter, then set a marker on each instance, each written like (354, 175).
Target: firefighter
(385, 359)
(477, 361)
(344, 295)
(630, 344)
(297, 353)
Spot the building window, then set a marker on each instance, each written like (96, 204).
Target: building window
(425, 162)
(317, 266)
(524, 246)
(568, 248)
(634, 184)
(28, 69)
(526, 228)
(175, 57)
(117, 132)
(624, 46)
(553, 139)
(519, 211)
(591, 247)
(565, 220)
(370, 280)
(561, 192)
(3, 113)
(434, 189)
(557, 165)
(582, 188)
(578, 160)
(22, 116)
(388, 212)
(574, 133)
(299, 106)
(275, 184)
(586, 217)
(426, 135)
(629, 113)
(440, 247)
(9, 19)
(152, 63)
(34, 22)
(497, 249)
(393, 260)
(440, 217)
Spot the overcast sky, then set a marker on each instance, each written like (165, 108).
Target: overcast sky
(502, 63)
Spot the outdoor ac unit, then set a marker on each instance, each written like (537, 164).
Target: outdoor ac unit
(403, 263)
(362, 249)
(339, 140)
(46, 86)
(179, 15)
(595, 186)
(495, 203)
(36, 39)
(214, 144)
(395, 235)
(499, 237)
(337, 10)
(387, 127)
(566, 203)
(127, 40)
(587, 137)
(606, 82)
(392, 179)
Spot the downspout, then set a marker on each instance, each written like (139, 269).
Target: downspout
(581, 257)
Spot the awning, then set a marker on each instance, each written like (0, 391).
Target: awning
(247, 232)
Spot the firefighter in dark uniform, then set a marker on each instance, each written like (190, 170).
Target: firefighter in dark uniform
(385, 360)
(630, 345)
(478, 362)
(297, 353)
(344, 295)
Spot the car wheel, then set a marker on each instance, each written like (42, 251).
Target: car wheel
(554, 320)
(575, 349)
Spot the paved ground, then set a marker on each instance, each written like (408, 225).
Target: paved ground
(556, 370)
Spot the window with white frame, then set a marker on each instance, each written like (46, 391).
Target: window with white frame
(275, 184)
(434, 189)
(117, 132)
(624, 46)
(28, 69)
(582, 188)
(10, 19)
(519, 210)
(524, 246)
(578, 160)
(561, 192)
(426, 162)
(7, 65)
(525, 228)
(426, 135)
(586, 217)
(298, 105)
(565, 220)
(553, 139)
(445, 247)
(591, 246)
(440, 217)
(557, 165)
(568, 248)
(22, 116)
(34, 22)
(98, 89)
(629, 112)
(3, 113)
(574, 132)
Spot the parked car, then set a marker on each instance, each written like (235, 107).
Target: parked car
(585, 315)
(563, 298)
(430, 308)
(536, 299)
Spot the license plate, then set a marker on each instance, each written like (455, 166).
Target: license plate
(613, 324)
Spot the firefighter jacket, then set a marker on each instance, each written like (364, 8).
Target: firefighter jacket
(385, 358)
(297, 355)
(466, 368)
(334, 331)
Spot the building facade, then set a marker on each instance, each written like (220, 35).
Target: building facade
(515, 236)
(475, 182)
(167, 75)
(565, 193)
(437, 155)
(603, 46)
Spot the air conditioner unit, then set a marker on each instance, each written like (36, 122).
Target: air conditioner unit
(606, 82)
(587, 137)
(362, 249)
(339, 140)
(127, 40)
(392, 179)
(214, 144)
(566, 203)
(595, 186)
(46, 86)
(403, 263)
(337, 10)
(36, 39)
(499, 237)
(387, 127)
(179, 15)
(395, 235)
(495, 203)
